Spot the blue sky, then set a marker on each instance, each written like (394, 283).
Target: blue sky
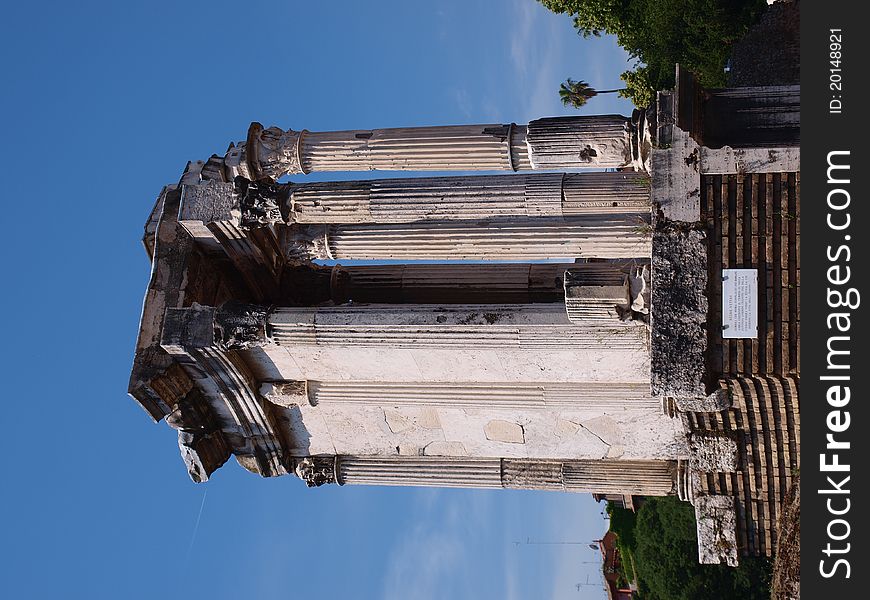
(103, 103)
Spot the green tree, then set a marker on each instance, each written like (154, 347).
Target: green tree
(660, 33)
(577, 93)
(667, 559)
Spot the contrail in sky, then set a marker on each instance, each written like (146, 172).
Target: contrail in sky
(196, 527)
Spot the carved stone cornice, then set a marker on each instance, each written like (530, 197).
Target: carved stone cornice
(204, 345)
(172, 251)
(200, 439)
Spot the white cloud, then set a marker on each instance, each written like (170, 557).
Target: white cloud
(524, 23)
(463, 101)
(568, 564)
(545, 50)
(432, 557)
(537, 54)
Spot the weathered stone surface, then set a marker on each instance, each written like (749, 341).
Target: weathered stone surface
(717, 400)
(445, 449)
(676, 178)
(207, 202)
(305, 243)
(716, 522)
(713, 453)
(396, 421)
(504, 431)
(191, 327)
(566, 428)
(171, 250)
(273, 152)
(474, 197)
(679, 338)
(428, 418)
(750, 160)
(532, 474)
(260, 202)
(599, 302)
(202, 453)
(202, 444)
(238, 325)
(285, 393)
(587, 141)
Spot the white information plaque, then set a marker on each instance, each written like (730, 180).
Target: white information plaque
(739, 303)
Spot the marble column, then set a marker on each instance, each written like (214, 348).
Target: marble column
(600, 141)
(468, 198)
(519, 283)
(604, 397)
(560, 142)
(606, 476)
(591, 236)
(502, 326)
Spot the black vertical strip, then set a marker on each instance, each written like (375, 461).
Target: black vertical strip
(833, 568)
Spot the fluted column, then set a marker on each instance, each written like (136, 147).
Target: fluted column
(419, 471)
(592, 236)
(635, 477)
(468, 283)
(561, 142)
(601, 141)
(606, 476)
(531, 326)
(598, 396)
(469, 198)
(275, 152)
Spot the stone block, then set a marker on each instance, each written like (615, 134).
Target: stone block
(717, 536)
(712, 453)
(505, 431)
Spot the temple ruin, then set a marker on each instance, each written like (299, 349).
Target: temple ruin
(556, 326)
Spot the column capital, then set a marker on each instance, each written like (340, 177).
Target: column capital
(239, 326)
(231, 326)
(273, 152)
(317, 470)
(260, 202)
(304, 243)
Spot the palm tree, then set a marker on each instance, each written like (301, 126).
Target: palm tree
(577, 93)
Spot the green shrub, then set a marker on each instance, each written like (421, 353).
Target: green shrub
(666, 557)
